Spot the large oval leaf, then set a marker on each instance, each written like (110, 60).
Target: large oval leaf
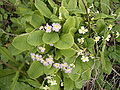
(68, 52)
(50, 38)
(66, 41)
(35, 38)
(37, 20)
(20, 42)
(41, 6)
(36, 69)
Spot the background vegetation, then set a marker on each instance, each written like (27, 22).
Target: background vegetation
(20, 18)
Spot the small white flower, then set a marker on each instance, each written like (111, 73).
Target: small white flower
(62, 84)
(81, 40)
(117, 34)
(97, 12)
(97, 39)
(108, 37)
(83, 30)
(85, 58)
(46, 87)
(41, 27)
(88, 10)
(53, 82)
(72, 65)
(110, 27)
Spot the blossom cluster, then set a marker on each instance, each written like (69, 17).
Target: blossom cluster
(64, 66)
(49, 28)
(45, 62)
(49, 61)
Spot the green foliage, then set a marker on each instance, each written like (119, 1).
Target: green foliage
(66, 41)
(7, 54)
(35, 38)
(44, 10)
(20, 42)
(68, 52)
(50, 38)
(59, 44)
(36, 70)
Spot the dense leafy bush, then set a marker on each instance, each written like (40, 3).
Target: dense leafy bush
(59, 44)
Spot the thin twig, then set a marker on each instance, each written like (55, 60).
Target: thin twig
(8, 33)
(115, 71)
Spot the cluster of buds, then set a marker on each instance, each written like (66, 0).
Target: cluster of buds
(49, 28)
(64, 66)
(45, 62)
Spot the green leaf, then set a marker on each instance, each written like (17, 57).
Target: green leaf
(23, 86)
(70, 60)
(44, 10)
(78, 20)
(58, 54)
(105, 6)
(100, 26)
(36, 70)
(68, 52)
(14, 81)
(103, 16)
(72, 4)
(77, 68)
(89, 43)
(54, 6)
(70, 23)
(13, 50)
(37, 20)
(56, 87)
(35, 38)
(5, 72)
(6, 53)
(82, 6)
(33, 83)
(66, 41)
(72, 30)
(118, 39)
(5, 82)
(64, 12)
(79, 84)
(52, 3)
(107, 66)
(68, 84)
(50, 38)
(74, 77)
(13, 84)
(64, 3)
(20, 42)
(49, 71)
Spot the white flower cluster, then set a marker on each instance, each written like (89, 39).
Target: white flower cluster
(51, 80)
